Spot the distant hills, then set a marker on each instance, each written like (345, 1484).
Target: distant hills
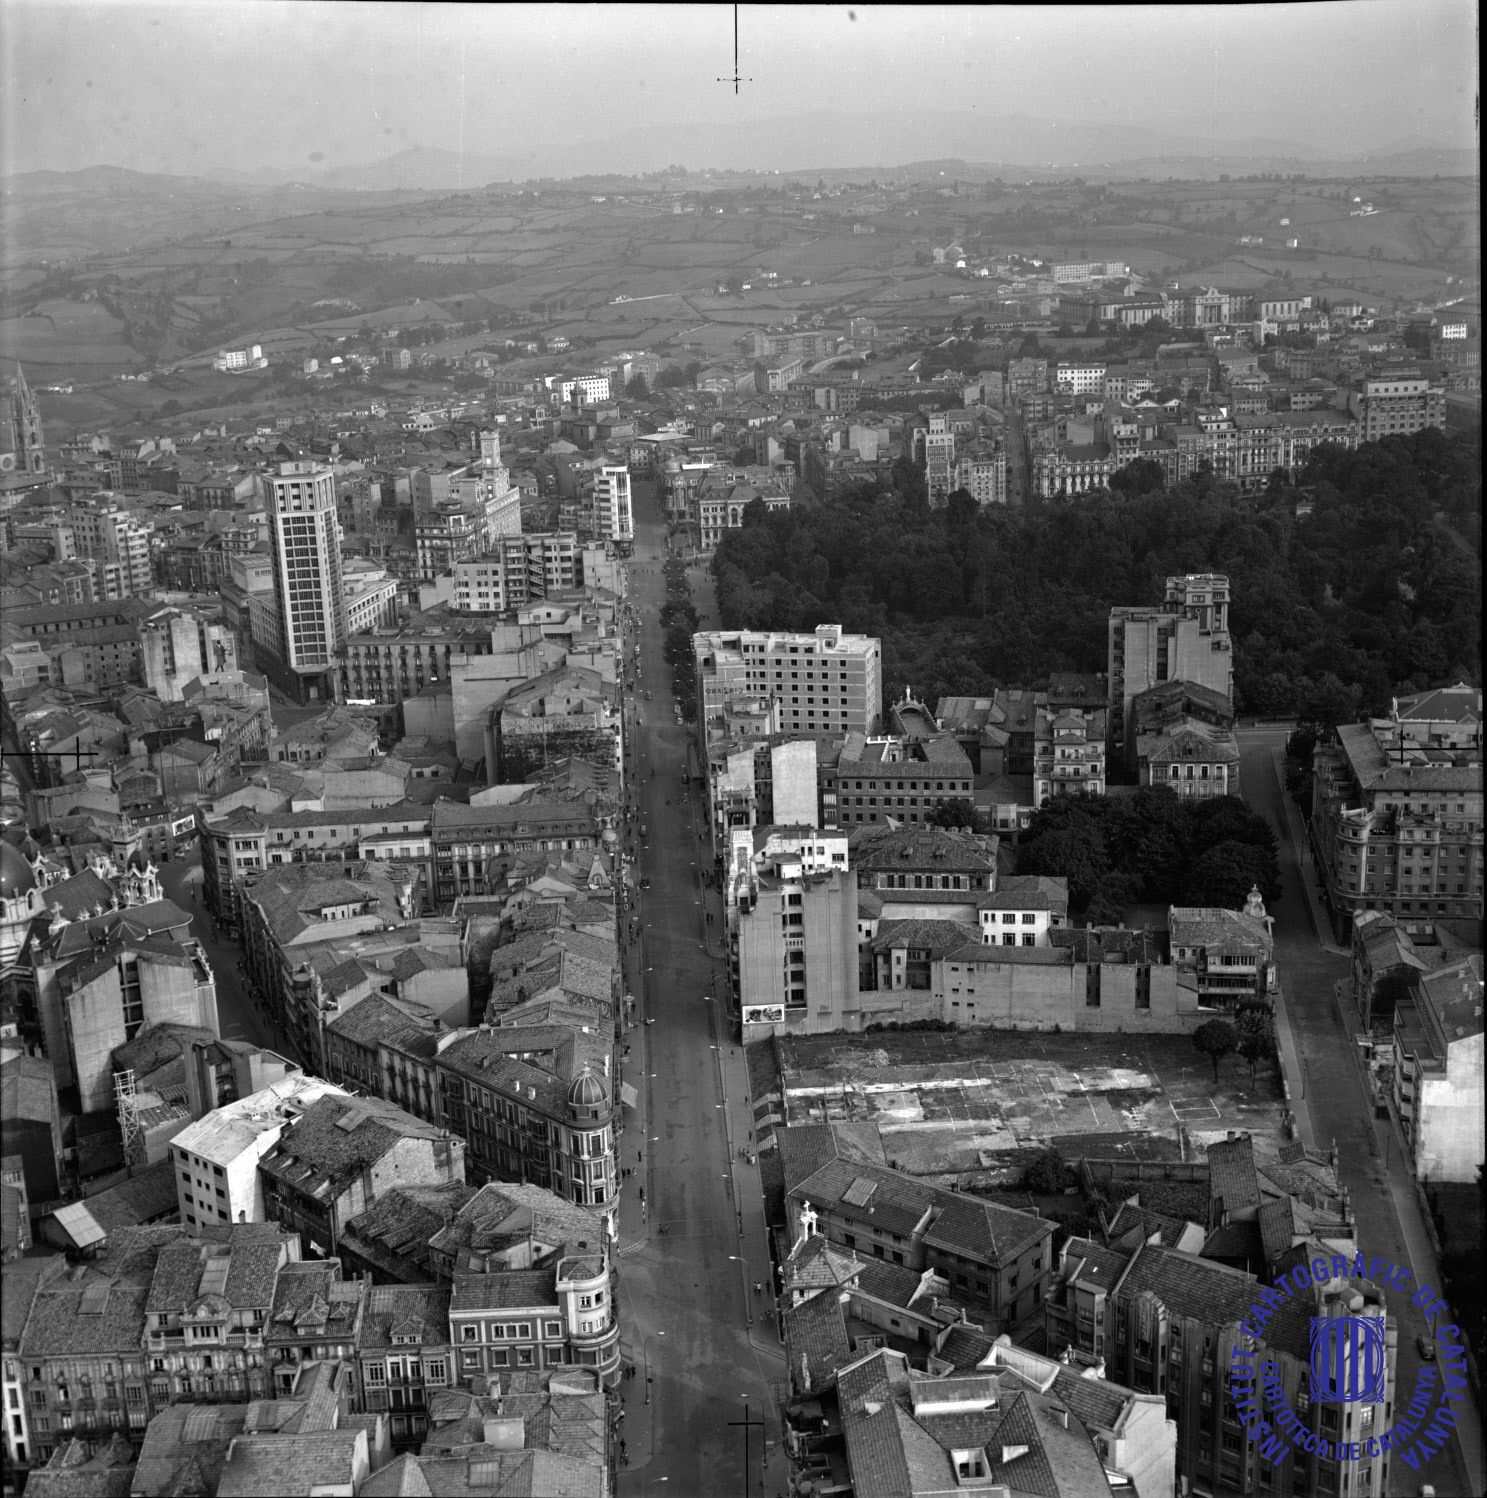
(836, 140)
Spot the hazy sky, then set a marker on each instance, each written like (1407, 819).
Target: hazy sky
(212, 84)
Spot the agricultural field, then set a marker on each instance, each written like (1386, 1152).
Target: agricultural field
(66, 336)
(162, 272)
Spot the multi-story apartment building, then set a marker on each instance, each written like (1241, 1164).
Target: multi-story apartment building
(371, 599)
(981, 470)
(1438, 1063)
(1187, 639)
(518, 570)
(793, 936)
(107, 1344)
(1246, 449)
(236, 847)
(473, 845)
(533, 1285)
(1080, 378)
(394, 661)
(613, 518)
(207, 1312)
(385, 1047)
(1068, 753)
(726, 492)
(1026, 377)
(1396, 826)
(537, 1103)
(333, 1161)
(1164, 1321)
(305, 543)
(444, 536)
(404, 1357)
(1072, 468)
(216, 1157)
(1396, 402)
(178, 646)
(117, 542)
(878, 778)
(937, 446)
(583, 390)
(822, 682)
(996, 1260)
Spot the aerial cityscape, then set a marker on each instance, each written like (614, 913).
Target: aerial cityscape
(741, 751)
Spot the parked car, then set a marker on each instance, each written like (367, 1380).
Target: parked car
(1427, 1348)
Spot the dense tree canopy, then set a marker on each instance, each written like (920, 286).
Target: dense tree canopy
(1373, 585)
(1155, 845)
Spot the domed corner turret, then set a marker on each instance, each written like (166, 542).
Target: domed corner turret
(588, 1090)
(1254, 905)
(17, 877)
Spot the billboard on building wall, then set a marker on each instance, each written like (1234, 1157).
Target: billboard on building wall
(764, 1014)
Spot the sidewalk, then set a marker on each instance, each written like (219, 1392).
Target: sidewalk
(1305, 865)
(1293, 1072)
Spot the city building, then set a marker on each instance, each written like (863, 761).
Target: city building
(207, 1311)
(613, 518)
(117, 543)
(981, 470)
(726, 492)
(333, 1161)
(539, 1104)
(179, 646)
(938, 449)
(1228, 952)
(475, 845)
(1394, 403)
(1396, 825)
(1166, 1321)
(1187, 639)
(216, 1157)
(520, 1303)
(551, 1434)
(820, 682)
(875, 779)
(404, 1357)
(305, 543)
(996, 1260)
(1438, 1086)
(1068, 753)
(518, 570)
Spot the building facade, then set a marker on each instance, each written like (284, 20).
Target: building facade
(305, 543)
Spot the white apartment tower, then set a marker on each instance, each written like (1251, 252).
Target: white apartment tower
(116, 542)
(306, 540)
(614, 520)
(823, 682)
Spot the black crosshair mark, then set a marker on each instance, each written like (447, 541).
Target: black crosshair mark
(734, 78)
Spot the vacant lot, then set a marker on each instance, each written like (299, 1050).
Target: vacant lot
(969, 1100)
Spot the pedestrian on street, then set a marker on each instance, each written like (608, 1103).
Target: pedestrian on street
(642, 1195)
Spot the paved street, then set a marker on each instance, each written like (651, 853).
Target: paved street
(1332, 1094)
(690, 1259)
(180, 880)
